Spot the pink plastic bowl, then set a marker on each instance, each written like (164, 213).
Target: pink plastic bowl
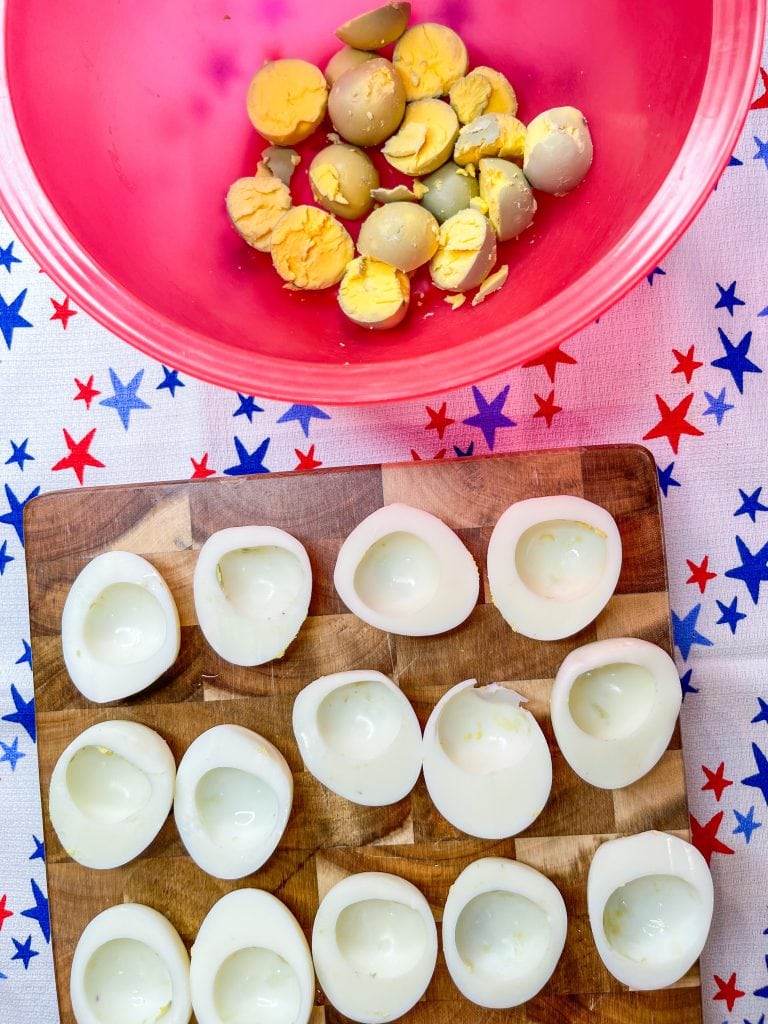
(123, 123)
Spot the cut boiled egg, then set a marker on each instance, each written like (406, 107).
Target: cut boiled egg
(234, 792)
(110, 792)
(504, 927)
(359, 736)
(404, 571)
(614, 706)
(650, 907)
(119, 628)
(374, 943)
(252, 586)
(251, 963)
(487, 765)
(553, 565)
(130, 967)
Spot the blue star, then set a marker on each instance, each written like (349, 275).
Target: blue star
(763, 312)
(762, 993)
(728, 298)
(125, 398)
(746, 824)
(24, 951)
(762, 715)
(12, 754)
(762, 150)
(735, 359)
(39, 912)
(24, 715)
(247, 407)
(490, 416)
(26, 657)
(760, 779)
(170, 381)
(735, 162)
(666, 480)
(730, 615)
(717, 407)
(15, 515)
(465, 453)
(7, 257)
(19, 454)
(303, 414)
(753, 569)
(39, 853)
(250, 462)
(4, 558)
(750, 504)
(761, 1021)
(685, 683)
(685, 632)
(10, 318)
(656, 272)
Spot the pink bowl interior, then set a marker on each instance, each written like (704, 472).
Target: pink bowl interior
(133, 118)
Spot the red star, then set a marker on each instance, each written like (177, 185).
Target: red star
(439, 420)
(86, 392)
(79, 457)
(673, 423)
(700, 574)
(63, 312)
(727, 991)
(4, 914)
(704, 837)
(716, 781)
(201, 470)
(307, 460)
(417, 458)
(547, 408)
(550, 360)
(686, 364)
(761, 103)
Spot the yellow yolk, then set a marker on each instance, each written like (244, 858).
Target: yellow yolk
(430, 58)
(462, 240)
(373, 293)
(491, 284)
(287, 100)
(478, 203)
(425, 139)
(255, 205)
(499, 135)
(454, 301)
(326, 182)
(492, 184)
(469, 97)
(419, 189)
(502, 99)
(310, 248)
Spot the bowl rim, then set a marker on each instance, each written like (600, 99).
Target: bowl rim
(736, 48)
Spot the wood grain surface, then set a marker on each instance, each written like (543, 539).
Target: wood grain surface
(328, 837)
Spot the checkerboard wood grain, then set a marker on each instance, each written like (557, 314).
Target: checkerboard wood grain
(327, 837)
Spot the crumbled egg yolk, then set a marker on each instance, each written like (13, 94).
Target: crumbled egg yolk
(420, 189)
(425, 138)
(287, 100)
(371, 292)
(478, 203)
(455, 301)
(430, 58)
(310, 248)
(492, 183)
(489, 286)
(462, 239)
(326, 182)
(490, 135)
(469, 96)
(255, 205)
(502, 99)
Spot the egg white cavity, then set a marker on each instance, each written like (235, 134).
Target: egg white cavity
(650, 904)
(374, 944)
(234, 792)
(130, 967)
(110, 792)
(487, 765)
(251, 962)
(504, 928)
(359, 736)
(614, 706)
(553, 565)
(119, 628)
(404, 571)
(252, 587)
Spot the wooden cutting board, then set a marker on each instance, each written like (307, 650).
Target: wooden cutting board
(327, 837)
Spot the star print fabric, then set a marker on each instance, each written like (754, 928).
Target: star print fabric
(681, 366)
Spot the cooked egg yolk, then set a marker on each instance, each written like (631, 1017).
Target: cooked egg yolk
(287, 100)
(371, 292)
(462, 240)
(491, 284)
(326, 182)
(425, 138)
(502, 99)
(492, 183)
(469, 97)
(255, 205)
(310, 248)
(430, 59)
(490, 135)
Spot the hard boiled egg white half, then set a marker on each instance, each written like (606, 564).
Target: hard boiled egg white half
(119, 628)
(650, 907)
(252, 587)
(504, 927)
(234, 792)
(374, 943)
(251, 963)
(359, 736)
(487, 765)
(553, 565)
(404, 571)
(110, 792)
(614, 706)
(130, 967)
